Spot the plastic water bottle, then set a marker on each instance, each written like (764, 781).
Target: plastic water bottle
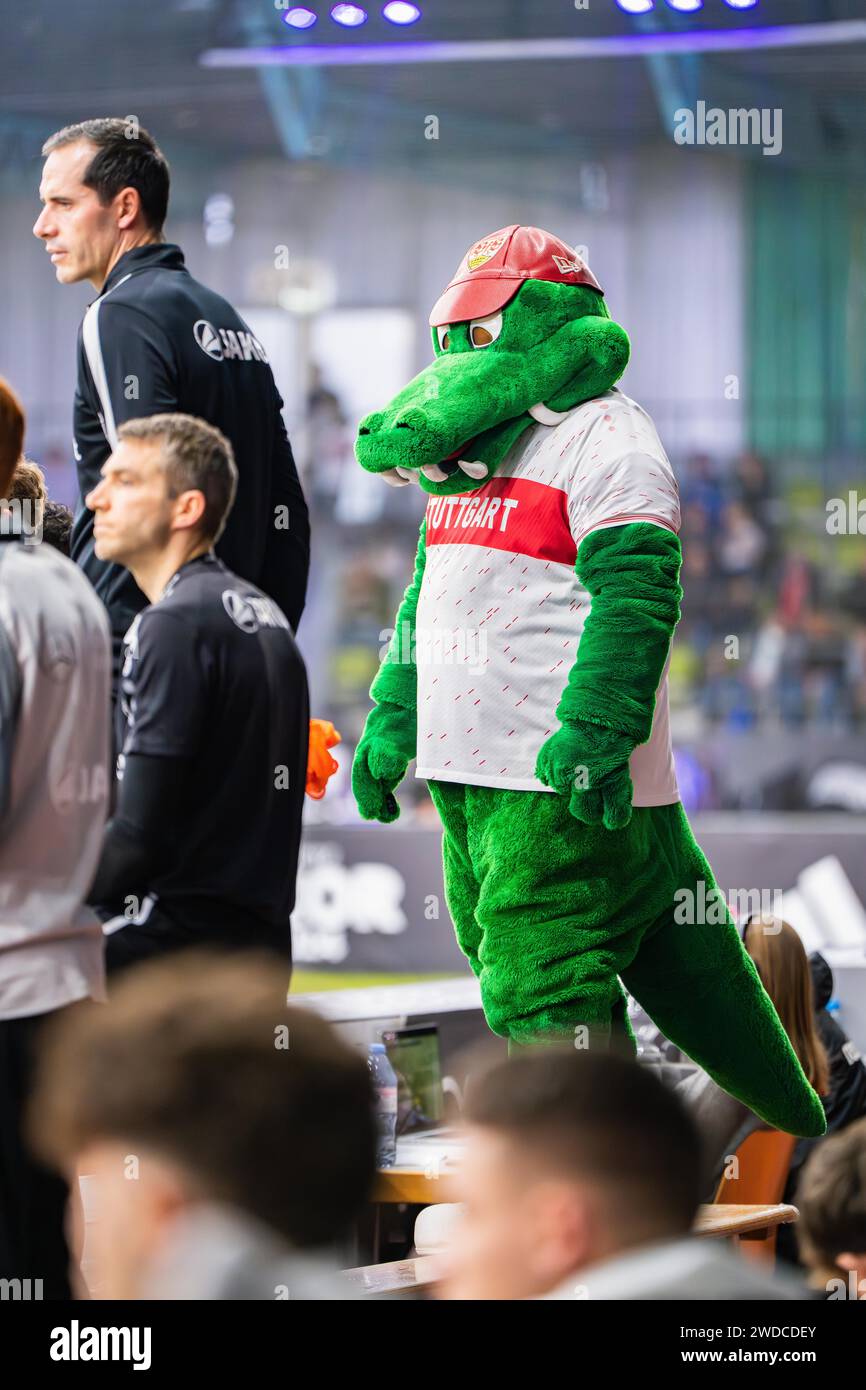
(385, 1083)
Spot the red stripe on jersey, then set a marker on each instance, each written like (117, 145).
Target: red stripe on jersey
(511, 514)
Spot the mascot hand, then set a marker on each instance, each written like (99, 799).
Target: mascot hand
(385, 751)
(588, 764)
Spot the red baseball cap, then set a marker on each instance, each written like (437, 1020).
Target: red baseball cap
(493, 270)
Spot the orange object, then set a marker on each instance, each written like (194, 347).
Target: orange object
(764, 1160)
(320, 764)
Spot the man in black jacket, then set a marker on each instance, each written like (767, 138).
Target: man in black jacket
(213, 714)
(155, 341)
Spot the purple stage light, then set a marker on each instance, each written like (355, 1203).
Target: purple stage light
(772, 38)
(741, 4)
(636, 6)
(350, 16)
(686, 6)
(299, 17)
(401, 12)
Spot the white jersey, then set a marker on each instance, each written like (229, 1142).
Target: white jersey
(501, 610)
(55, 697)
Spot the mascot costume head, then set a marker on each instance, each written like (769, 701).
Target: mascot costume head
(550, 536)
(521, 334)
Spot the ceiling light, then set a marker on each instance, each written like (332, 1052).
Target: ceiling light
(400, 12)
(299, 17)
(350, 16)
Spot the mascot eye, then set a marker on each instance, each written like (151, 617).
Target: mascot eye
(443, 335)
(483, 332)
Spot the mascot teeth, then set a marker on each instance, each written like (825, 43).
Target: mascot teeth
(394, 477)
(407, 474)
(545, 416)
(476, 469)
(434, 473)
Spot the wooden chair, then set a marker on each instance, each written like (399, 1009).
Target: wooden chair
(764, 1160)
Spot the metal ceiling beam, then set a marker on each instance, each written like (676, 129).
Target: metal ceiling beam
(294, 100)
(673, 76)
(679, 79)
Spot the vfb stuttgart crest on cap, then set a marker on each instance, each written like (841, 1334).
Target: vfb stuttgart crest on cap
(485, 249)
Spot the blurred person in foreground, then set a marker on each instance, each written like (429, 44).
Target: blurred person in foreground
(229, 1137)
(581, 1180)
(54, 749)
(832, 1229)
(213, 714)
(154, 340)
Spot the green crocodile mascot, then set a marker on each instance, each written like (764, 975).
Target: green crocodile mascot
(527, 675)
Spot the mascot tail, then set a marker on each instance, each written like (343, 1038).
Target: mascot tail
(699, 985)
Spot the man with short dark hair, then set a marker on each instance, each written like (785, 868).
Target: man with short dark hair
(212, 719)
(156, 341)
(251, 1122)
(581, 1179)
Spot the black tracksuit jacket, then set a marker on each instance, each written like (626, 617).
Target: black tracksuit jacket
(155, 341)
